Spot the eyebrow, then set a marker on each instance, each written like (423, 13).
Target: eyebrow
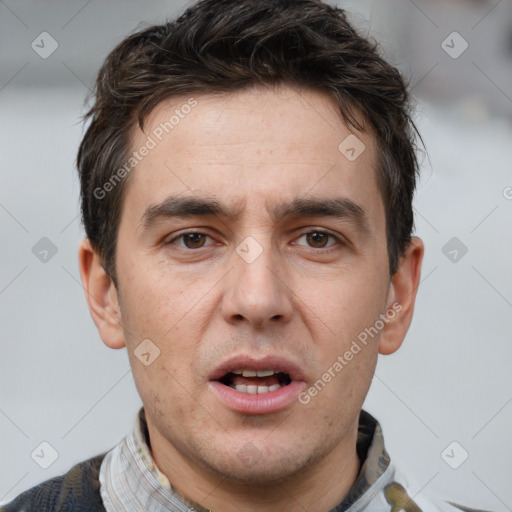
(340, 208)
(176, 206)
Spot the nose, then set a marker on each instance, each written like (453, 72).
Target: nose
(255, 294)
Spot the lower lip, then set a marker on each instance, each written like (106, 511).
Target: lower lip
(266, 403)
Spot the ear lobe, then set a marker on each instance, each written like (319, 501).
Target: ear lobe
(402, 296)
(101, 295)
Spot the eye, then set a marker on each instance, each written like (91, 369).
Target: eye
(319, 239)
(193, 240)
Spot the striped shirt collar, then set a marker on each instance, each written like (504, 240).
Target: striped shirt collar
(130, 480)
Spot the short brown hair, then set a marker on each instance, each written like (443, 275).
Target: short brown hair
(228, 45)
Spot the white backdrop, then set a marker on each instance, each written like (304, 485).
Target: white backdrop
(451, 380)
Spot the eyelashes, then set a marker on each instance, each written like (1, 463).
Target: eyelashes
(195, 238)
(314, 239)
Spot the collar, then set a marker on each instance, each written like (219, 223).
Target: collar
(130, 480)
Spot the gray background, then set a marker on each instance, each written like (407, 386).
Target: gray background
(451, 380)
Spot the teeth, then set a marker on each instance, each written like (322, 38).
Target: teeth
(265, 373)
(254, 373)
(256, 390)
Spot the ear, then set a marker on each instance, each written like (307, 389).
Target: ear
(101, 295)
(402, 295)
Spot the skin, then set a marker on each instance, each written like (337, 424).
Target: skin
(303, 298)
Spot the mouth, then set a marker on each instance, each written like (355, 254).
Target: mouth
(251, 386)
(256, 382)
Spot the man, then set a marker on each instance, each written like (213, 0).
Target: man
(247, 180)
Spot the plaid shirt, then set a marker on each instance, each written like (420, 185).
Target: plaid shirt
(127, 479)
(131, 481)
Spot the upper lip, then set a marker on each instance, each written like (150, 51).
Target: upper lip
(247, 362)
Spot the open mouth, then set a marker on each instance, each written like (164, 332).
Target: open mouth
(255, 382)
(250, 385)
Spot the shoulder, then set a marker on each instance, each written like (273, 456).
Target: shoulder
(437, 505)
(398, 498)
(76, 491)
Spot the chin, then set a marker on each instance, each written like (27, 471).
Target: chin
(267, 473)
(250, 465)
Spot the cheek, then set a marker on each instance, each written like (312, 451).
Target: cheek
(341, 307)
(173, 316)
(339, 311)
(157, 302)
(342, 383)
(159, 388)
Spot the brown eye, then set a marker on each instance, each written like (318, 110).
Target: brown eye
(317, 239)
(194, 240)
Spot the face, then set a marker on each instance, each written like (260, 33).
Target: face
(252, 253)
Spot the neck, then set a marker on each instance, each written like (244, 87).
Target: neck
(320, 487)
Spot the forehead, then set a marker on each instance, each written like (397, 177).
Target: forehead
(255, 146)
